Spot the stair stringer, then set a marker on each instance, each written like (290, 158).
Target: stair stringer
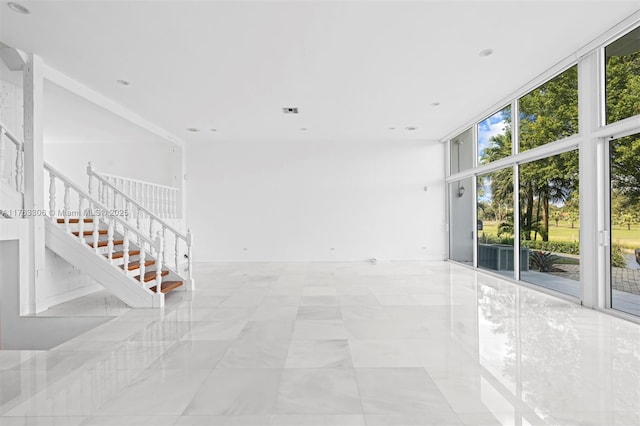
(125, 288)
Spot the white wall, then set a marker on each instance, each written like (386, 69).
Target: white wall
(77, 131)
(62, 282)
(152, 162)
(296, 200)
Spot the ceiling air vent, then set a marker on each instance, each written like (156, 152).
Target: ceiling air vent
(290, 110)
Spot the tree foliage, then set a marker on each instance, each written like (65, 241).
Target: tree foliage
(623, 101)
(551, 185)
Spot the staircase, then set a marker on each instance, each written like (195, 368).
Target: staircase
(127, 248)
(130, 248)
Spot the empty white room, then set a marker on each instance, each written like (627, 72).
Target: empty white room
(320, 212)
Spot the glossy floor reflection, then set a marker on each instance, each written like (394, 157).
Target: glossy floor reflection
(336, 344)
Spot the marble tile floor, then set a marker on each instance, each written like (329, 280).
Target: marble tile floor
(425, 343)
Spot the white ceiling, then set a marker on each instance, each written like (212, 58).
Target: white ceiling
(354, 69)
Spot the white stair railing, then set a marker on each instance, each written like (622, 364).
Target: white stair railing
(145, 221)
(162, 200)
(12, 169)
(88, 207)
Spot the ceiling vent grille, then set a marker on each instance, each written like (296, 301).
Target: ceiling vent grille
(290, 110)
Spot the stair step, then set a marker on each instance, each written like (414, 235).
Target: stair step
(151, 275)
(105, 243)
(89, 233)
(167, 286)
(120, 254)
(76, 220)
(136, 265)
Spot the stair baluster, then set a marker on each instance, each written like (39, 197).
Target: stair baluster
(177, 250)
(163, 247)
(81, 218)
(168, 202)
(89, 172)
(189, 262)
(52, 197)
(96, 228)
(65, 211)
(110, 240)
(125, 247)
(19, 169)
(142, 259)
(138, 214)
(159, 248)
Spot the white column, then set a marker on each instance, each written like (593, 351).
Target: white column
(34, 197)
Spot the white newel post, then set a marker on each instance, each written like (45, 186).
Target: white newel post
(33, 164)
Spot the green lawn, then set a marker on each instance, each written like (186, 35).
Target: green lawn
(629, 239)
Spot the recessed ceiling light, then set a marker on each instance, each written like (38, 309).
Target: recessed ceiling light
(410, 128)
(123, 82)
(212, 130)
(392, 128)
(435, 103)
(304, 129)
(486, 52)
(193, 129)
(17, 7)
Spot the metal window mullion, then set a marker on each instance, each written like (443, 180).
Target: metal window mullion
(515, 127)
(516, 221)
(474, 145)
(604, 225)
(474, 194)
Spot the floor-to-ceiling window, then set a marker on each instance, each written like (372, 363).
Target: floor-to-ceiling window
(624, 192)
(461, 232)
(495, 221)
(549, 223)
(622, 100)
(568, 146)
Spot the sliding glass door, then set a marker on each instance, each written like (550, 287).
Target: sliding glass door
(624, 218)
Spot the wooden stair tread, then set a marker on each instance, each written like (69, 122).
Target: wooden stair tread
(167, 286)
(76, 220)
(89, 233)
(136, 265)
(120, 254)
(105, 243)
(151, 275)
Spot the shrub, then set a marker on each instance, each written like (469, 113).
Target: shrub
(543, 261)
(617, 259)
(567, 247)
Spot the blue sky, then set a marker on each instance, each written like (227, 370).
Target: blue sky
(490, 127)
